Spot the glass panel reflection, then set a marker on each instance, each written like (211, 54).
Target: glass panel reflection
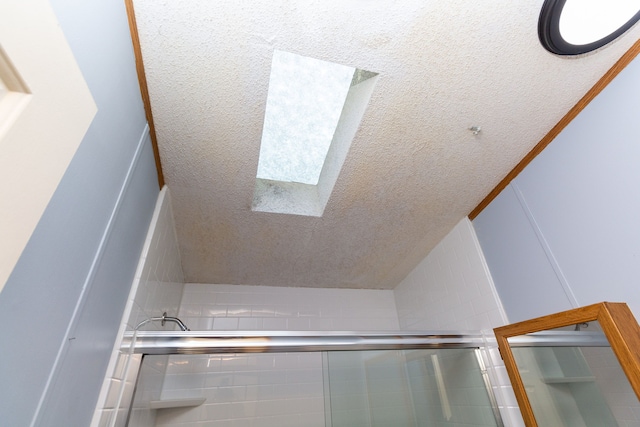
(579, 385)
(335, 389)
(283, 389)
(408, 388)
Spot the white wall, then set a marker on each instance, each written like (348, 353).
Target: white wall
(565, 232)
(65, 297)
(157, 288)
(278, 389)
(287, 389)
(159, 280)
(451, 289)
(235, 307)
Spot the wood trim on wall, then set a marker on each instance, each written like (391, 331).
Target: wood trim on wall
(555, 131)
(144, 90)
(617, 322)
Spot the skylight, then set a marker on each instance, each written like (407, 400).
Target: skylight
(313, 112)
(304, 104)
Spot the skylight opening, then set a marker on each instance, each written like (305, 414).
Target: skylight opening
(313, 112)
(305, 100)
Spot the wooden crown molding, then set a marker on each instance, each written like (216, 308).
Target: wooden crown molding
(555, 131)
(144, 90)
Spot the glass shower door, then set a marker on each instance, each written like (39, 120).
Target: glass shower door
(406, 388)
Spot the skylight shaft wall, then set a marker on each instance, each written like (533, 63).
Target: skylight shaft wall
(304, 104)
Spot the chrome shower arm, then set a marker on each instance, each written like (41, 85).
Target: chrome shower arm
(164, 319)
(181, 325)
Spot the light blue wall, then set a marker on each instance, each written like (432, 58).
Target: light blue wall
(566, 231)
(61, 307)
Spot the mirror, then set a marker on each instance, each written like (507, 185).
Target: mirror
(575, 368)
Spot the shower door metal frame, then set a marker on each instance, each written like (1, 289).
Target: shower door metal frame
(205, 342)
(218, 342)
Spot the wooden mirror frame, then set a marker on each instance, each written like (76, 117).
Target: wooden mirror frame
(617, 322)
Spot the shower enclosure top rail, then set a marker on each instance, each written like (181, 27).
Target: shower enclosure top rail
(208, 342)
(560, 339)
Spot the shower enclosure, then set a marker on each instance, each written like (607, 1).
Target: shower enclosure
(309, 379)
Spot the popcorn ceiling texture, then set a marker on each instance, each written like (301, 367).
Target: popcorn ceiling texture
(413, 170)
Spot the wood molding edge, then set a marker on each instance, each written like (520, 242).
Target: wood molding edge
(623, 332)
(516, 381)
(624, 60)
(144, 90)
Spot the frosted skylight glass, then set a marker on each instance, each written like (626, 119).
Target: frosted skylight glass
(304, 104)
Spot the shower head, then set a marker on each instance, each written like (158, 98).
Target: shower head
(164, 319)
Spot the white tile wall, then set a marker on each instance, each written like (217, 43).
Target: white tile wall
(452, 289)
(499, 378)
(157, 287)
(161, 281)
(234, 307)
(400, 388)
(244, 389)
(347, 382)
(463, 387)
(264, 389)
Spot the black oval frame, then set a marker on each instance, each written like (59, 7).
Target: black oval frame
(551, 39)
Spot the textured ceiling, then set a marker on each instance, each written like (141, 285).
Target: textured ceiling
(413, 170)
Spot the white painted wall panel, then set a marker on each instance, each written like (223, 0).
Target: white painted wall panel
(584, 192)
(69, 288)
(523, 275)
(157, 288)
(583, 196)
(573, 214)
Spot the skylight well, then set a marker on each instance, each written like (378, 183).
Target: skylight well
(313, 109)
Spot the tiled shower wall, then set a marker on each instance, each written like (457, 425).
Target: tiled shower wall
(452, 289)
(269, 389)
(234, 307)
(286, 389)
(157, 287)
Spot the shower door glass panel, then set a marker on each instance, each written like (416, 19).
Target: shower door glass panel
(577, 386)
(407, 388)
(222, 390)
